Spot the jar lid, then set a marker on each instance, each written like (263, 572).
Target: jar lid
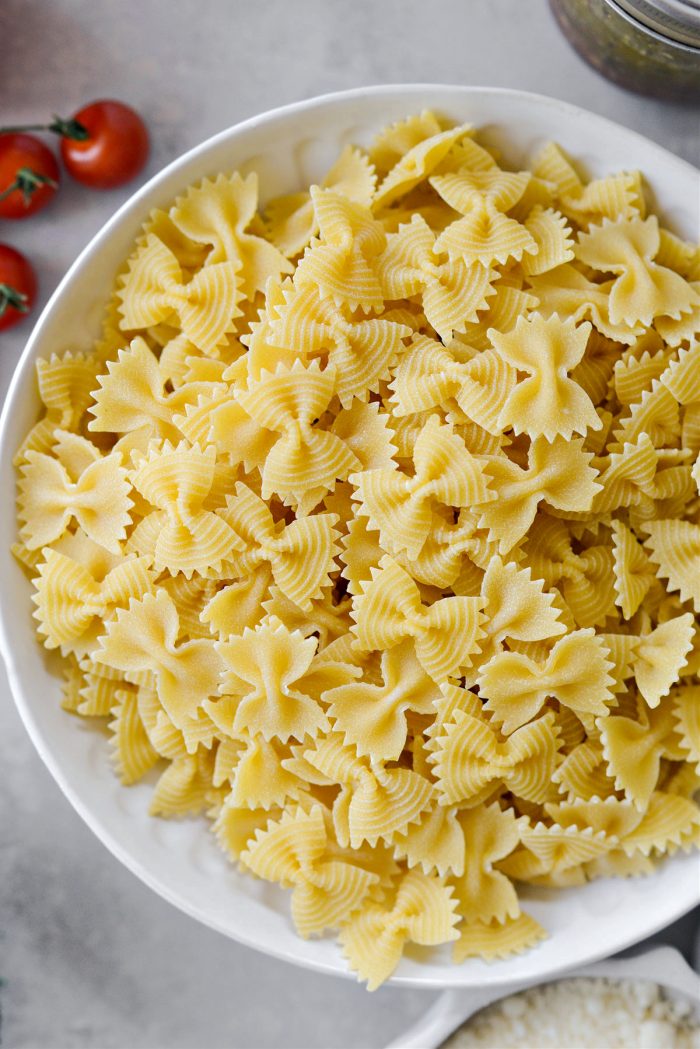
(677, 20)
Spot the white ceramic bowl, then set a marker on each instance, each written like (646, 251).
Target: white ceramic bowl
(290, 148)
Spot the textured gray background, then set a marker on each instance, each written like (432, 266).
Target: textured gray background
(89, 956)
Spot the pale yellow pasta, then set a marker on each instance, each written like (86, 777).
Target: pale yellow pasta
(548, 403)
(401, 506)
(290, 220)
(370, 529)
(452, 291)
(217, 212)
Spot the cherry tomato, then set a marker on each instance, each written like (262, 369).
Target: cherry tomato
(17, 286)
(31, 168)
(115, 149)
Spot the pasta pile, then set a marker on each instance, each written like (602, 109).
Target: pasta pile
(371, 524)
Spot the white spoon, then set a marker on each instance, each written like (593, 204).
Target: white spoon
(661, 965)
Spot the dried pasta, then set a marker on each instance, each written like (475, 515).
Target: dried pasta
(370, 529)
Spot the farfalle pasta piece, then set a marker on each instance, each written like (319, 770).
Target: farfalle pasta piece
(132, 396)
(676, 253)
(516, 607)
(144, 637)
(653, 421)
(264, 673)
(88, 694)
(502, 311)
(220, 420)
(95, 493)
(667, 820)
(373, 717)
(483, 893)
(218, 212)
(576, 673)
(420, 910)
(65, 389)
(655, 416)
(633, 749)
(656, 659)
(452, 292)
(635, 371)
(296, 852)
(469, 758)
(549, 402)
(290, 220)
(613, 817)
(343, 266)
(181, 536)
(553, 165)
(550, 853)
(494, 939)
(326, 617)
(375, 801)
(681, 379)
(484, 234)
(400, 506)
(687, 327)
(132, 752)
(185, 787)
(254, 768)
(583, 772)
(191, 597)
(642, 290)
(613, 197)
(559, 472)
(69, 597)
(363, 351)
(235, 827)
(583, 575)
(465, 188)
(453, 555)
(627, 477)
(687, 711)
(417, 163)
(430, 374)
(445, 634)
(674, 546)
(361, 552)
(634, 574)
(156, 289)
(298, 555)
(555, 245)
(399, 137)
(305, 461)
(569, 293)
(436, 843)
(166, 738)
(367, 432)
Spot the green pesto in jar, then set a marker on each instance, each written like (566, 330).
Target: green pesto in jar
(628, 52)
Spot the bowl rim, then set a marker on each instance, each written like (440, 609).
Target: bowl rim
(675, 908)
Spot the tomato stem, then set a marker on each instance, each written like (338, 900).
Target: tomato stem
(10, 297)
(66, 128)
(28, 182)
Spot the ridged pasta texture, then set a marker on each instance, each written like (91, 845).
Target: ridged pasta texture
(370, 529)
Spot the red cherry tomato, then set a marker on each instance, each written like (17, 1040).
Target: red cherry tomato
(17, 286)
(115, 149)
(29, 166)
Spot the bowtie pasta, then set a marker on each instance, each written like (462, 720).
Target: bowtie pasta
(371, 527)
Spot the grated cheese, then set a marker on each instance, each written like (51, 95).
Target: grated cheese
(584, 1013)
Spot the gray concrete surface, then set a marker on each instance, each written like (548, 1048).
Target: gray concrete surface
(88, 955)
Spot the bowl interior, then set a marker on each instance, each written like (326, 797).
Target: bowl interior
(291, 148)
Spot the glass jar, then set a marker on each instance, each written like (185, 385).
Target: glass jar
(648, 46)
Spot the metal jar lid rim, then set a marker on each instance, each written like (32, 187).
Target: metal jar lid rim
(677, 20)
